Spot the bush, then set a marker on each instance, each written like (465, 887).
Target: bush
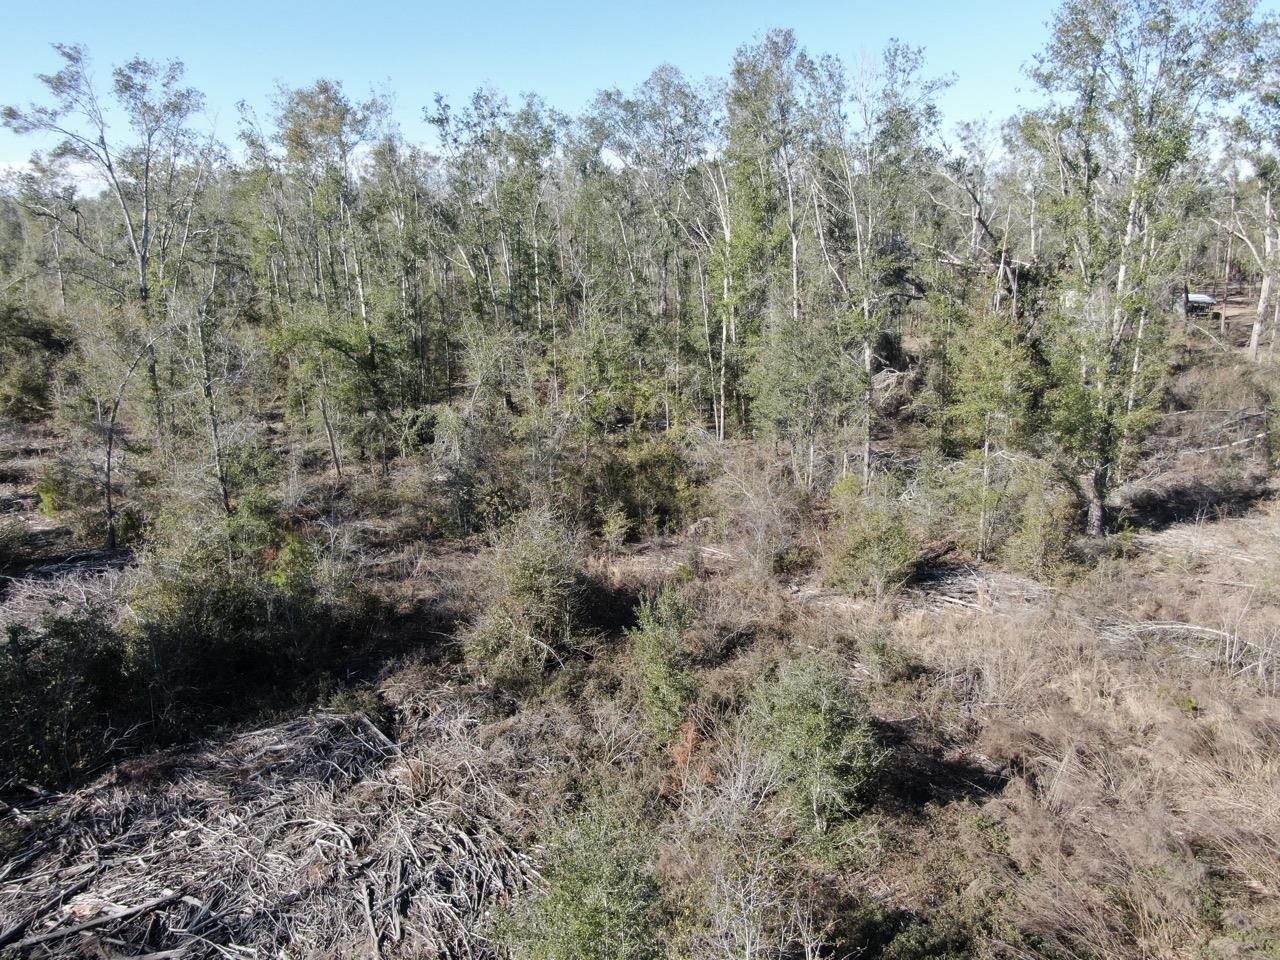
(599, 899)
(484, 482)
(638, 486)
(223, 640)
(24, 388)
(871, 547)
(64, 690)
(655, 484)
(30, 346)
(61, 488)
(226, 621)
(615, 526)
(1044, 526)
(1015, 511)
(534, 590)
(662, 663)
(244, 614)
(816, 728)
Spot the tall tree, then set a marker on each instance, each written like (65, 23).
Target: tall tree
(1131, 84)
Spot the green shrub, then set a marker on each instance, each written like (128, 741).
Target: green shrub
(291, 566)
(1044, 525)
(218, 632)
(662, 663)
(251, 466)
(813, 724)
(967, 502)
(61, 488)
(239, 614)
(220, 639)
(871, 548)
(30, 346)
(599, 899)
(24, 388)
(648, 482)
(886, 662)
(64, 689)
(534, 589)
(791, 560)
(615, 526)
(657, 485)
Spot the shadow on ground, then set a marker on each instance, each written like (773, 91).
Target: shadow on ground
(1185, 500)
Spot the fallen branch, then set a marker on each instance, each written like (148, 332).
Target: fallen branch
(142, 908)
(1225, 446)
(18, 929)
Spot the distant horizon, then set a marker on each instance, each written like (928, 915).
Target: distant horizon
(244, 52)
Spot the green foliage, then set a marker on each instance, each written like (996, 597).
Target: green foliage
(792, 559)
(663, 672)
(615, 526)
(226, 620)
(292, 565)
(943, 935)
(1008, 507)
(533, 594)
(598, 900)
(815, 726)
(870, 546)
(250, 467)
(993, 379)
(29, 348)
(60, 488)
(605, 364)
(805, 388)
(650, 480)
(886, 661)
(240, 620)
(1040, 536)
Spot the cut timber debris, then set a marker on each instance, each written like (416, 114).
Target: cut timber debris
(322, 834)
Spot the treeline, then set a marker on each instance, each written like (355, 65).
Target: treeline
(543, 310)
(753, 255)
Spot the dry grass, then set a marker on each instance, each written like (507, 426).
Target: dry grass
(1143, 804)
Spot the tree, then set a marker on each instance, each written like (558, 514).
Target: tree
(142, 171)
(814, 724)
(1255, 218)
(146, 174)
(662, 661)
(992, 380)
(534, 594)
(868, 180)
(1131, 84)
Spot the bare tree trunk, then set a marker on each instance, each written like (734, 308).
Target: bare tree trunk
(109, 466)
(1092, 486)
(1269, 256)
(328, 423)
(986, 488)
(795, 239)
(867, 399)
(57, 257)
(1260, 318)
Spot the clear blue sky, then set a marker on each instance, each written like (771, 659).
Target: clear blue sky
(237, 50)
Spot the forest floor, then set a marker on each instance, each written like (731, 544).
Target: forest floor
(1091, 761)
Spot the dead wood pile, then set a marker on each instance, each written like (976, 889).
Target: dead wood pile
(322, 836)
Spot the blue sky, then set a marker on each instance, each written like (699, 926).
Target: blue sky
(238, 50)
